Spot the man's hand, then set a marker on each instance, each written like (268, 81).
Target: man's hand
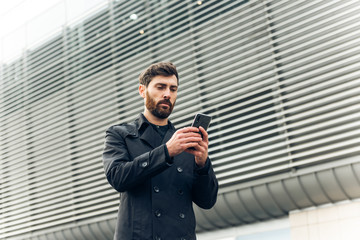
(200, 151)
(189, 140)
(183, 139)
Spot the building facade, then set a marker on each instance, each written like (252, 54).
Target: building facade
(280, 78)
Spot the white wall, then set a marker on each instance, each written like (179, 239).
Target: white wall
(278, 229)
(331, 222)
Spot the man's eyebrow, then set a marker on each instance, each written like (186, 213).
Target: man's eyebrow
(164, 84)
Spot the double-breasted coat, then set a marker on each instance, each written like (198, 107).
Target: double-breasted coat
(156, 191)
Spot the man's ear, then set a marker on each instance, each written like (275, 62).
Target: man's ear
(142, 90)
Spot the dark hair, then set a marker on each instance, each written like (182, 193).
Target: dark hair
(166, 69)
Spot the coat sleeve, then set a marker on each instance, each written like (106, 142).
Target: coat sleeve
(205, 186)
(124, 173)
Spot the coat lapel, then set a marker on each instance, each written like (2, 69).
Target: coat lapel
(168, 135)
(151, 137)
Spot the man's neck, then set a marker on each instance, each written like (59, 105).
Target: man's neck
(155, 120)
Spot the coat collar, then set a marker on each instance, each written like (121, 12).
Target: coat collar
(149, 135)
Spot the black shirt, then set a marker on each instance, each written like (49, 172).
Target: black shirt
(161, 130)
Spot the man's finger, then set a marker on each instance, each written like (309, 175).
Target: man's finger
(204, 134)
(188, 129)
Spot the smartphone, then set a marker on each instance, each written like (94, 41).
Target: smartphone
(201, 120)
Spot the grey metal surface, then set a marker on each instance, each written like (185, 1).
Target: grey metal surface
(267, 199)
(280, 79)
(276, 196)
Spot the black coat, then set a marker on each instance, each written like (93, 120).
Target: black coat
(156, 191)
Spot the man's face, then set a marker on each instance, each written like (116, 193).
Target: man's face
(160, 96)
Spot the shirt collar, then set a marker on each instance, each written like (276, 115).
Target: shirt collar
(144, 123)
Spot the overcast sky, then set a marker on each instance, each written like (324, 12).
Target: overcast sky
(23, 23)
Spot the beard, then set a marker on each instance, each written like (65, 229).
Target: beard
(157, 110)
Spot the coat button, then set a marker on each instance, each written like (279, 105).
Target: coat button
(157, 238)
(144, 164)
(181, 215)
(182, 238)
(156, 189)
(180, 192)
(179, 169)
(157, 213)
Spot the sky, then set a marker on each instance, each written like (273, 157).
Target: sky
(23, 23)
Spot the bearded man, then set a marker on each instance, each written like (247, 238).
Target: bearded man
(159, 171)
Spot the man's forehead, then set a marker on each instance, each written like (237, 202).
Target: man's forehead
(164, 80)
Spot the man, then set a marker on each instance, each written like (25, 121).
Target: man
(159, 171)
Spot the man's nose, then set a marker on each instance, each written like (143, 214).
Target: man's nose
(167, 94)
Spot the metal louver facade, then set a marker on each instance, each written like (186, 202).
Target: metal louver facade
(281, 80)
